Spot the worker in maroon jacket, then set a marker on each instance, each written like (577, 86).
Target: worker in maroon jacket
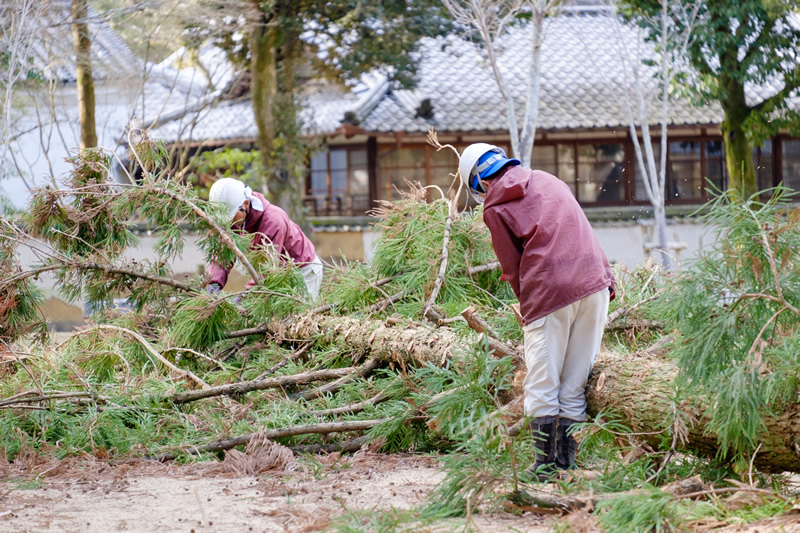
(251, 212)
(561, 277)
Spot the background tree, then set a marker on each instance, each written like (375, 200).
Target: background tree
(341, 40)
(83, 72)
(647, 77)
(18, 21)
(737, 43)
(491, 20)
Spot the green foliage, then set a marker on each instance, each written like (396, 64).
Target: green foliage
(734, 43)
(650, 510)
(244, 165)
(83, 221)
(202, 321)
(410, 252)
(482, 466)
(466, 398)
(736, 309)
(19, 298)
(19, 311)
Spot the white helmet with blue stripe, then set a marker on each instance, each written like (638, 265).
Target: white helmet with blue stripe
(479, 161)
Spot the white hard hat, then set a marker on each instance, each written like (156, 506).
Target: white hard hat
(230, 192)
(472, 166)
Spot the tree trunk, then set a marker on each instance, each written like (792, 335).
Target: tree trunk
(83, 72)
(287, 185)
(534, 82)
(738, 152)
(404, 345)
(263, 90)
(661, 235)
(639, 387)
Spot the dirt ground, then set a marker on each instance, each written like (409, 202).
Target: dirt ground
(93, 496)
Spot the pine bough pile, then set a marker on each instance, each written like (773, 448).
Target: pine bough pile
(416, 351)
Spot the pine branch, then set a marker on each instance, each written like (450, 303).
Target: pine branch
(499, 348)
(487, 267)
(88, 265)
(352, 408)
(386, 302)
(223, 235)
(622, 311)
(272, 434)
(361, 372)
(46, 397)
(27, 370)
(243, 387)
(297, 354)
(152, 351)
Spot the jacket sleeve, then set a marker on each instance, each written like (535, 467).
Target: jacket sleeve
(218, 274)
(507, 247)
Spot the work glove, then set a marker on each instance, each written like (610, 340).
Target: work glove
(213, 288)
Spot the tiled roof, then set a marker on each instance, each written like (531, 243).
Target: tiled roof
(582, 87)
(53, 51)
(582, 82)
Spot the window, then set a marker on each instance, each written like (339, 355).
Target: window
(594, 172)
(565, 158)
(544, 158)
(691, 165)
(601, 173)
(442, 164)
(420, 163)
(791, 163)
(338, 182)
(395, 165)
(684, 171)
(640, 190)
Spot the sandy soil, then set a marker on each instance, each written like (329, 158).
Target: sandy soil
(92, 496)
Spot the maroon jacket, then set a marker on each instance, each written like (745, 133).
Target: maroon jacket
(546, 247)
(274, 225)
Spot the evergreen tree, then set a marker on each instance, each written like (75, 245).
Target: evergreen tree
(740, 43)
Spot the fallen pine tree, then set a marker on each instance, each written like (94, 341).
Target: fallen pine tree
(417, 350)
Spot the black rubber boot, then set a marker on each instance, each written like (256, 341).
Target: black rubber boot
(566, 445)
(544, 430)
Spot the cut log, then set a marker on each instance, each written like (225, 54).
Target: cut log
(640, 388)
(401, 345)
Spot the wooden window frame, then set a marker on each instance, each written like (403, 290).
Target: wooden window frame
(347, 208)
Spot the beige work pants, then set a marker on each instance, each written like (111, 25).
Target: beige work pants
(560, 349)
(312, 275)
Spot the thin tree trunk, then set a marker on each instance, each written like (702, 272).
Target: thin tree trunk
(263, 89)
(83, 72)
(534, 82)
(259, 384)
(661, 234)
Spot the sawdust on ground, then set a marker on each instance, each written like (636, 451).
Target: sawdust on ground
(95, 496)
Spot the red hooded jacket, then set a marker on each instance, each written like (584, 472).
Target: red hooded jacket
(546, 246)
(274, 225)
